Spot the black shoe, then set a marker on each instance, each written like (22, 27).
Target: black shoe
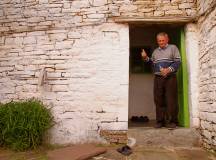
(143, 119)
(171, 125)
(159, 125)
(125, 150)
(134, 119)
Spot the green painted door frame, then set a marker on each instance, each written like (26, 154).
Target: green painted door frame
(182, 75)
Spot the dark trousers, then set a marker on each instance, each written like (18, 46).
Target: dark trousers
(166, 98)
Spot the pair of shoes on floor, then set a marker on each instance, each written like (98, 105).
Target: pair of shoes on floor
(139, 119)
(125, 150)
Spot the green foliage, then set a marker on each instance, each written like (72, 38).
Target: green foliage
(23, 124)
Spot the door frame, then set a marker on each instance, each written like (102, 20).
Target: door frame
(182, 76)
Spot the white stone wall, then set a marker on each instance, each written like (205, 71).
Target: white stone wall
(29, 15)
(205, 6)
(192, 54)
(207, 74)
(87, 77)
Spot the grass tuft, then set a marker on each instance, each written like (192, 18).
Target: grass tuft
(23, 124)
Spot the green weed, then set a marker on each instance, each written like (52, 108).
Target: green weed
(23, 124)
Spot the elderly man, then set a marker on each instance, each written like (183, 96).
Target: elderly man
(166, 60)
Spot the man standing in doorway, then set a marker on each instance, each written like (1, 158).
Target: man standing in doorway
(166, 60)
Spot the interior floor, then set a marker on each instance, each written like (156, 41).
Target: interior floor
(151, 124)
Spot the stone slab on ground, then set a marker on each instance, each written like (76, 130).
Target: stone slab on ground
(77, 152)
(179, 137)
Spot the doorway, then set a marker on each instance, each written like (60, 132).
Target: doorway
(141, 102)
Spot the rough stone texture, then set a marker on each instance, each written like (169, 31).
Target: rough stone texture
(19, 16)
(207, 76)
(204, 6)
(87, 77)
(118, 137)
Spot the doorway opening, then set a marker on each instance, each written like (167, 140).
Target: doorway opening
(141, 104)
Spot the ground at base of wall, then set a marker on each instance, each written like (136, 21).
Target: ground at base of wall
(159, 153)
(140, 152)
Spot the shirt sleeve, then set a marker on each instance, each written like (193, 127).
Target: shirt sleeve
(176, 58)
(150, 59)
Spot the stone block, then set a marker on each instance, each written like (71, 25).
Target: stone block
(64, 44)
(4, 29)
(1, 13)
(55, 10)
(55, 5)
(58, 36)
(51, 75)
(114, 136)
(207, 134)
(77, 4)
(211, 117)
(42, 13)
(145, 9)
(114, 125)
(59, 82)
(128, 8)
(168, 8)
(30, 13)
(29, 40)
(191, 12)
(206, 125)
(186, 5)
(43, 1)
(42, 40)
(36, 33)
(66, 5)
(4, 69)
(35, 19)
(159, 13)
(2, 40)
(7, 90)
(39, 62)
(9, 41)
(174, 12)
(60, 88)
(30, 88)
(18, 40)
(32, 81)
(66, 96)
(46, 47)
(99, 2)
(97, 16)
(55, 61)
(74, 35)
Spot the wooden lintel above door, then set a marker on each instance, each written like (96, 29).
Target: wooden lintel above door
(155, 20)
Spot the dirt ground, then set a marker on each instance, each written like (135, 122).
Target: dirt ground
(140, 152)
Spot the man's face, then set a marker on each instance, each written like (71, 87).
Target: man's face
(162, 41)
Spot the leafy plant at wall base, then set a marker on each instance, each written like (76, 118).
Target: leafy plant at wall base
(23, 124)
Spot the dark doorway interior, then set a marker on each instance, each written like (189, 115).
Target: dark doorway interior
(140, 76)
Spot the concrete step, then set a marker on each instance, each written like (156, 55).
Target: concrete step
(163, 137)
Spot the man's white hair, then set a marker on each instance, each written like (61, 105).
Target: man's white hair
(164, 34)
